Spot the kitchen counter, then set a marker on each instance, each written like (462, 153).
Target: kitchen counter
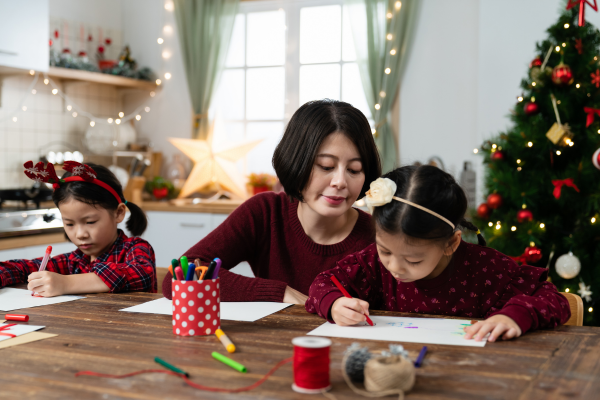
(216, 207)
(31, 240)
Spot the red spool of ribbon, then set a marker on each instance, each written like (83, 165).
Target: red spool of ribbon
(311, 364)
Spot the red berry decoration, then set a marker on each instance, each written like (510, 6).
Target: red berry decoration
(108, 41)
(531, 108)
(498, 156)
(483, 211)
(524, 215)
(562, 75)
(536, 62)
(532, 254)
(494, 201)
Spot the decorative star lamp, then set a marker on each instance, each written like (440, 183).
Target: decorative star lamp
(213, 167)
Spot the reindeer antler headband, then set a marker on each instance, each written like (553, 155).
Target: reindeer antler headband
(81, 173)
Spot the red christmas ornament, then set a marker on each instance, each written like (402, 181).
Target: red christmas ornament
(50, 42)
(483, 211)
(536, 62)
(562, 75)
(524, 215)
(498, 156)
(108, 41)
(531, 108)
(494, 201)
(100, 49)
(596, 159)
(532, 254)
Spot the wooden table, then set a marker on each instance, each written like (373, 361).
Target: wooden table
(94, 335)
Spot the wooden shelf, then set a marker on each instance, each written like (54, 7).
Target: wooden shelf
(98, 77)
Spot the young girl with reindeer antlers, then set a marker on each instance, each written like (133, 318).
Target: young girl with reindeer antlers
(91, 202)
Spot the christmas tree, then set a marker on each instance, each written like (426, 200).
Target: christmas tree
(543, 175)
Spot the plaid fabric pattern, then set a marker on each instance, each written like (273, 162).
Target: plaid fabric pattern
(128, 266)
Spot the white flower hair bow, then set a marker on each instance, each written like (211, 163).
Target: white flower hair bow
(381, 191)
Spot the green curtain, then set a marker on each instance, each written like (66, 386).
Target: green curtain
(204, 28)
(383, 31)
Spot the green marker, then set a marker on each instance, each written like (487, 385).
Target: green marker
(171, 367)
(228, 361)
(184, 265)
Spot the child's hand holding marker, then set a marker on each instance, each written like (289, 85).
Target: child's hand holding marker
(497, 325)
(47, 284)
(351, 311)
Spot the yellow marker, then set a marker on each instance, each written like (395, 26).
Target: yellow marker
(225, 340)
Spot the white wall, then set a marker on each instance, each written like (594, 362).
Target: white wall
(463, 76)
(105, 13)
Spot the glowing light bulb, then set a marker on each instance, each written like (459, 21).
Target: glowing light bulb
(518, 161)
(475, 151)
(387, 71)
(74, 114)
(14, 119)
(377, 106)
(46, 81)
(557, 48)
(166, 54)
(92, 124)
(530, 144)
(519, 169)
(593, 219)
(590, 309)
(558, 153)
(578, 86)
(160, 40)
(33, 91)
(514, 228)
(567, 26)
(69, 107)
(533, 83)
(393, 52)
(167, 75)
(110, 120)
(520, 98)
(168, 29)
(542, 225)
(54, 91)
(494, 146)
(117, 121)
(169, 6)
(373, 131)
(152, 94)
(490, 224)
(24, 108)
(121, 114)
(389, 36)
(389, 15)
(31, 72)
(564, 45)
(567, 290)
(138, 117)
(158, 81)
(571, 143)
(382, 94)
(498, 226)
(147, 109)
(398, 5)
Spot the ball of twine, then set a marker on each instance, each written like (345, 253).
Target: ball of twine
(384, 375)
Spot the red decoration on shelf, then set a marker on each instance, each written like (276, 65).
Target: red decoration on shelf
(56, 34)
(524, 215)
(160, 193)
(590, 115)
(498, 156)
(559, 183)
(596, 78)
(531, 255)
(90, 38)
(531, 108)
(579, 46)
(50, 42)
(101, 49)
(536, 62)
(82, 53)
(483, 211)
(494, 201)
(581, 4)
(562, 74)
(108, 41)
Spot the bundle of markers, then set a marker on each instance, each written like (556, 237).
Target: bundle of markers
(181, 270)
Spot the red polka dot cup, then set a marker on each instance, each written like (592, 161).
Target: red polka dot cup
(196, 307)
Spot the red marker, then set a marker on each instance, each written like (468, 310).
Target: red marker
(43, 265)
(17, 317)
(345, 293)
(179, 274)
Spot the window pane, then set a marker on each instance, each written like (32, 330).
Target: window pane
(348, 51)
(266, 38)
(319, 82)
(229, 100)
(259, 159)
(265, 93)
(352, 88)
(320, 34)
(235, 54)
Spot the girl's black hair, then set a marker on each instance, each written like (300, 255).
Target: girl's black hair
(310, 125)
(431, 188)
(96, 195)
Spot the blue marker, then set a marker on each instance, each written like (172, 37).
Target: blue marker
(421, 356)
(215, 274)
(190, 274)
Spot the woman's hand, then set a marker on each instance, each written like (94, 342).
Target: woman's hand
(498, 325)
(46, 283)
(293, 296)
(345, 311)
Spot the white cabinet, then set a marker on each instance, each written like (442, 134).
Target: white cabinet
(24, 27)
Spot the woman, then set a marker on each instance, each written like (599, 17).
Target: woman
(325, 162)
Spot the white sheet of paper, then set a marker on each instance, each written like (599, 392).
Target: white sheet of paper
(401, 329)
(18, 330)
(16, 299)
(234, 311)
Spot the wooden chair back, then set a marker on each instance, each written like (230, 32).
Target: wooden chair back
(576, 305)
(160, 276)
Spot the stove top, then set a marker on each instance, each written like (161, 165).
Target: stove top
(24, 198)
(30, 222)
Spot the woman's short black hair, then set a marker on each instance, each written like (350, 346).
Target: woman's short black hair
(295, 154)
(96, 195)
(431, 188)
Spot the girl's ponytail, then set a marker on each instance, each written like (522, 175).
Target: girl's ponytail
(480, 239)
(137, 222)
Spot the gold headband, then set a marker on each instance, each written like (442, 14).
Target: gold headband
(424, 209)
